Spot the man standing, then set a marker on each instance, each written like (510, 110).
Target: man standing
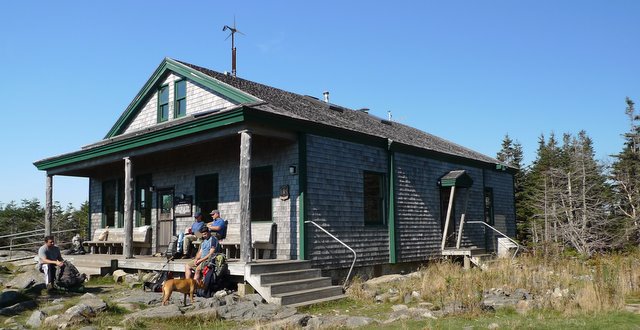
(207, 249)
(190, 236)
(49, 258)
(218, 225)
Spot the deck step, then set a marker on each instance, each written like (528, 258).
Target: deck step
(279, 266)
(304, 296)
(297, 285)
(292, 275)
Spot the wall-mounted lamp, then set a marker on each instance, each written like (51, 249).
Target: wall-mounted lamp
(152, 188)
(293, 170)
(182, 196)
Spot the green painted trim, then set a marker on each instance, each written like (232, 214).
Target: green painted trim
(190, 127)
(166, 66)
(391, 171)
(302, 187)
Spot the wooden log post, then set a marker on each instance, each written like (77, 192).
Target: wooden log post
(127, 248)
(245, 196)
(48, 208)
(446, 222)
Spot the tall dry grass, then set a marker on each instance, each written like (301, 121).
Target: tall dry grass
(565, 284)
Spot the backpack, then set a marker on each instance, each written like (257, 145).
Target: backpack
(216, 276)
(172, 248)
(68, 276)
(223, 233)
(156, 281)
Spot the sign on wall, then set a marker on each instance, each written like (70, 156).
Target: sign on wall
(183, 205)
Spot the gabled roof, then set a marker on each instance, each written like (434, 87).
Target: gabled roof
(310, 109)
(254, 101)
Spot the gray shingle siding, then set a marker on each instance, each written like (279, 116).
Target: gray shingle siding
(503, 202)
(335, 201)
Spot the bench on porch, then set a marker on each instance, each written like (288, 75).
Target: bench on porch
(263, 238)
(115, 241)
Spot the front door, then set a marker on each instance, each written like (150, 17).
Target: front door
(165, 218)
(490, 241)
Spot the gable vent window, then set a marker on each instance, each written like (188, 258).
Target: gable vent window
(163, 104)
(181, 99)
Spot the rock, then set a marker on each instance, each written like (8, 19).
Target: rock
(206, 314)
(383, 280)
(220, 294)
(523, 306)
(78, 314)
(161, 312)
(18, 308)
(493, 326)
(129, 307)
(358, 321)
(147, 298)
(29, 278)
(98, 305)
(9, 297)
(338, 321)
(36, 318)
(397, 308)
(52, 309)
(295, 321)
(119, 275)
(408, 298)
(632, 308)
(382, 297)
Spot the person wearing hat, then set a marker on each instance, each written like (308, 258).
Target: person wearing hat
(218, 225)
(191, 234)
(207, 250)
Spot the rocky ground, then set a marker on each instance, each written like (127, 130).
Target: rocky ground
(25, 303)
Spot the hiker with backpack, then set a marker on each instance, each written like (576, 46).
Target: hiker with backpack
(208, 248)
(49, 259)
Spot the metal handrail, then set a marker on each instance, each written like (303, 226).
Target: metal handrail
(355, 256)
(24, 235)
(499, 232)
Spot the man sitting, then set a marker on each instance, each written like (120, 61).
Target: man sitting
(218, 225)
(191, 235)
(49, 258)
(208, 248)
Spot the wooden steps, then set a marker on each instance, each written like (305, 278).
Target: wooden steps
(292, 283)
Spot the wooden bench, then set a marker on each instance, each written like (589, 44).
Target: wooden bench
(115, 241)
(263, 238)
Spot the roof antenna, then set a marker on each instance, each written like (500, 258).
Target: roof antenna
(233, 47)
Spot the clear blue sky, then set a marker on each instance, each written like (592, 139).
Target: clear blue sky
(468, 71)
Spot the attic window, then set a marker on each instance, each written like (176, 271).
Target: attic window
(180, 90)
(163, 103)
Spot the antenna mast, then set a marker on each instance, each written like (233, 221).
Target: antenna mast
(233, 47)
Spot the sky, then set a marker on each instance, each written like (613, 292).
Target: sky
(467, 71)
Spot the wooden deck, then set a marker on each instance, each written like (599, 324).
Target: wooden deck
(88, 262)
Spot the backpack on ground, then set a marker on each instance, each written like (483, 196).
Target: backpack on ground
(68, 276)
(155, 282)
(172, 248)
(216, 276)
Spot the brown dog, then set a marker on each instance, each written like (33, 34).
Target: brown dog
(186, 286)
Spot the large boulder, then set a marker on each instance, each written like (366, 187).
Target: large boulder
(28, 278)
(160, 312)
(36, 318)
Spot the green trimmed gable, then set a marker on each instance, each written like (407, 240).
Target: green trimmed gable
(147, 96)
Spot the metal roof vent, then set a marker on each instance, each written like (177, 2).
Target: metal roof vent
(365, 110)
(325, 94)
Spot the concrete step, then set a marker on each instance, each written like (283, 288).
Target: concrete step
(292, 275)
(279, 266)
(297, 285)
(318, 301)
(304, 296)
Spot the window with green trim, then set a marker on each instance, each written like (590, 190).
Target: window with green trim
(180, 109)
(163, 104)
(261, 193)
(109, 198)
(374, 206)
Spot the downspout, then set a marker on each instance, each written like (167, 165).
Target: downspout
(302, 192)
(391, 170)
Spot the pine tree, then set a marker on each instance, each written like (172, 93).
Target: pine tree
(625, 175)
(512, 155)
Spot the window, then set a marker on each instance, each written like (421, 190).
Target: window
(261, 193)
(488, 206)
(207, 195)
(180, 109)
(143, 200)
(163, 104)
(374, 209)
(109, 203)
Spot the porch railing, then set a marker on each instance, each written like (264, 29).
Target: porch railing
(497, 231)
(27, 234)
(355, 256)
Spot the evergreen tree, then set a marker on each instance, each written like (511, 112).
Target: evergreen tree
(512, 155)
(625, 176)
